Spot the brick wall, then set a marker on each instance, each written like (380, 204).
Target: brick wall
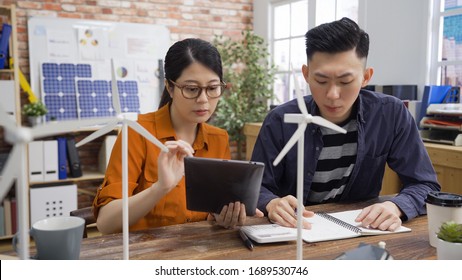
(184, 18)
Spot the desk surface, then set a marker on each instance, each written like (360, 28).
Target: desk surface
(202, 241)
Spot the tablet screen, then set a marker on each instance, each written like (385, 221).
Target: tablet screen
(213, 183)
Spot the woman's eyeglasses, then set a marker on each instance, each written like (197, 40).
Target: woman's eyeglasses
(194, 91)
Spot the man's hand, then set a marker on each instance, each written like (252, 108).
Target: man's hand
(383, 216)
(282, 211)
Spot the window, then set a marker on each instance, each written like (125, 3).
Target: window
(447, 60)
(290, 21)
(288, 45)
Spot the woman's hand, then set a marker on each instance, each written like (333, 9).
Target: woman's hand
(231, 215)
(171, 164)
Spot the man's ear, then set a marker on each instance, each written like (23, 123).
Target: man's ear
(368, 72)
(305, 71)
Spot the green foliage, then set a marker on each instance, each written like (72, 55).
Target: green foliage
(450, 232)
(35, 109)
(246, 67)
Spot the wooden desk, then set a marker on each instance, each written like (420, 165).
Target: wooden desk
(202, 241)
(446, 159)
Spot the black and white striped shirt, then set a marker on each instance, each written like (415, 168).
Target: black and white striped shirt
(335, 163)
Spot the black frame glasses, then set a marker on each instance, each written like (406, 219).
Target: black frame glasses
(194, 91)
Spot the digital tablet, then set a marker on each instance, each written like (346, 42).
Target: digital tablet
(213, 183)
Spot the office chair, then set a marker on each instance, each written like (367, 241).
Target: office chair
(86, 214)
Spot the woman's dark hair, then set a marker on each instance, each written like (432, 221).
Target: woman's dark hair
(184, 53)
(337, 36)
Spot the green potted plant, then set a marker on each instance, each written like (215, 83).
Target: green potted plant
(34, 111)
(449, 246)
(248, 70)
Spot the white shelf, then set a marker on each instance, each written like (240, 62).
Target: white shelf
(87, 176)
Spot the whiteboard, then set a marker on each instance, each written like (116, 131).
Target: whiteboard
(135, 47)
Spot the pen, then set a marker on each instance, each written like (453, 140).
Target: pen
(246, 240)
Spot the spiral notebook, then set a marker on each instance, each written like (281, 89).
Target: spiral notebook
(324, 227)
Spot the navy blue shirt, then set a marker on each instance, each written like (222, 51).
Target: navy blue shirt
(387, 133)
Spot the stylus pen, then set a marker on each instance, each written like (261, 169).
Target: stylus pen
(246, 240)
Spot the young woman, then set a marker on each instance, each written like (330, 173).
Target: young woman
(193, 85)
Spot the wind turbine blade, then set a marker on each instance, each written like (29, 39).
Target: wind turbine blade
(142, 131)
(299, 132)
(6, 120)
(54, 128)
(100, 132)
(323, 122)
(298, 92)
(9, 172)
(115, 90)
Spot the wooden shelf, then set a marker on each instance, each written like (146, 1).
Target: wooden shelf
(6, 237)
(8, 71)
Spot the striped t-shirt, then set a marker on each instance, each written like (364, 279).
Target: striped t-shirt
(335, 163)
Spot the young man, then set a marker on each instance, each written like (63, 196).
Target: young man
(344, 167)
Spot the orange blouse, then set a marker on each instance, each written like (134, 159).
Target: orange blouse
(210, 142)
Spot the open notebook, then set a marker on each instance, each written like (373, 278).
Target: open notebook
(324, 227)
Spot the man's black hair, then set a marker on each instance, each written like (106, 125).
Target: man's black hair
(337, 36)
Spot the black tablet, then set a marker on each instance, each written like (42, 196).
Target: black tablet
(213, 183)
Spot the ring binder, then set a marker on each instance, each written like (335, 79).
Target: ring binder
(73, 158)
(339, 222)
(4, 40)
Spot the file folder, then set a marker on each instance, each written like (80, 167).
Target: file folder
(62, 158)
(432, 95)
(2, 221)
(4, 40)
(8, 97)
(50, 160)
(36, 161)
(75, 169)
(7, 216)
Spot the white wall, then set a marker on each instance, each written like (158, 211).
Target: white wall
(398, 31)
(398, 40)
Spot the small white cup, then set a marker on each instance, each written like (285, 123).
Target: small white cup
(442, 207)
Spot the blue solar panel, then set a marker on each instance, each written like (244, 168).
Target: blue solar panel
(70, 93)
(83, 70)
(61, 107)
(94, 99)
(50, 70)
(67, 70)
(51, 86)
(128, 94)
(59, 92)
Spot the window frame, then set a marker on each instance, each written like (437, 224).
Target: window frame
(436, 62)
(271, 40)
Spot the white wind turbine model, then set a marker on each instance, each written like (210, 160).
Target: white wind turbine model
(16, 166)
(127, 120)
(303, 120)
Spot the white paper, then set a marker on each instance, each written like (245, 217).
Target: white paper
(59, 44)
